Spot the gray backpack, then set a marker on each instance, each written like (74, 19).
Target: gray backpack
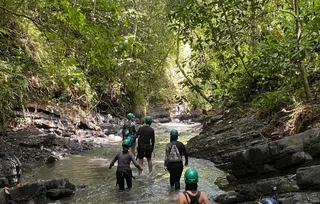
(128, 128)
(174, 155)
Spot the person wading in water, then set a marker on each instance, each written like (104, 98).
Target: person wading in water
(124, 171)
(145, 135)
(173, 160)
(129, 132)
(191, 195)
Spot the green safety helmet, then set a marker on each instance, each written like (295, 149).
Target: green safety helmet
(191, 176)
(126, 142)
(130, 115)
(148, 119)
(174, 132)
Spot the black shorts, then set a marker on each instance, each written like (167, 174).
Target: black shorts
(144, 152)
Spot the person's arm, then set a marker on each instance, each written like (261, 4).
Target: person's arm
(152, 140)
(185, 153)
(204, 199)
(166, 155)
(134, 132)
(113, 161)
(123, 135)
(137, 134)
(136, 164)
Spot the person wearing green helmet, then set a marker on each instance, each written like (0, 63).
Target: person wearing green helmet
(129, 131)
(191, 195)
(173, 159)
(145, 136)
(124, 171)
(268, 201)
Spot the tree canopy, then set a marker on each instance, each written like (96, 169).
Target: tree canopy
(256, 50)
(124, 55)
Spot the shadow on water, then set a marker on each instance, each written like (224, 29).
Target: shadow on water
(92, 169)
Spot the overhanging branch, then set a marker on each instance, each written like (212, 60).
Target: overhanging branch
(190, 82)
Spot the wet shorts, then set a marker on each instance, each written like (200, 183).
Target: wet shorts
(144, 152)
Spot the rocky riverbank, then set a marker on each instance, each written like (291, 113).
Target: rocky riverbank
(261, 160)
(41, 191)
(44, 136)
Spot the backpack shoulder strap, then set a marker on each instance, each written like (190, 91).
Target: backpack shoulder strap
(198, 196)
(171, 145)
(185, 194)
(177, 151)
(194, 199)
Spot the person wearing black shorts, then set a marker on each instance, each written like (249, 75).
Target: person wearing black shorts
(145, 136)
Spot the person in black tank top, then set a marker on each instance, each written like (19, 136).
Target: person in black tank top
(191, 195)
(193, 199)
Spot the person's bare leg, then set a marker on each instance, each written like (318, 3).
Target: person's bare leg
(133, 150)
(150, 165)
(141, 164)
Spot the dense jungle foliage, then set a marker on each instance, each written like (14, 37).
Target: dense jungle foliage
(124, 55)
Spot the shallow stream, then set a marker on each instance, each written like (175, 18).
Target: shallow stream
(91, 169)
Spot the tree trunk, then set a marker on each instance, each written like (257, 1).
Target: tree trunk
(190, 82)
(302, 64)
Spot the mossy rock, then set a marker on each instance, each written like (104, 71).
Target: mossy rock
(223, 184)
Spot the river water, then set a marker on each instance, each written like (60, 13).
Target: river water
(91, 169)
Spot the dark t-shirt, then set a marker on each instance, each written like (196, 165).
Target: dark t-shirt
(145, 135)
(124, 160)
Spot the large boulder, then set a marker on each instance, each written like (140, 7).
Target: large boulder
(273, 157)
(221, 141)
(56, 194)
(59, 184)
(4, 197)
(163, 120)
(230, 198)
(300, 197)
(10, 170)
(35, 192)
(43, 190)
(267, 187)
(308, 177)
(188, 116)
(109, 128)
